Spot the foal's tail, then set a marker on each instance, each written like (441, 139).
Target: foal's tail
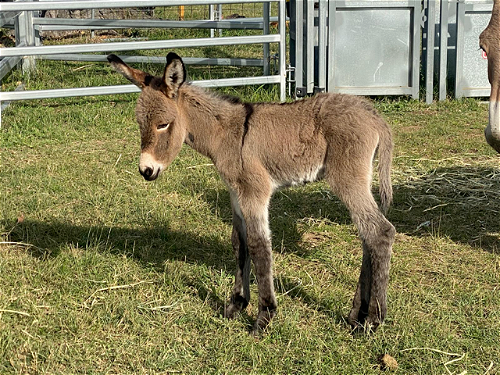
(385, 147)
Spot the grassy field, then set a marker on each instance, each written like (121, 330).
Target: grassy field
(103, 272)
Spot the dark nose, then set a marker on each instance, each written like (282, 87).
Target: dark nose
(146, 173)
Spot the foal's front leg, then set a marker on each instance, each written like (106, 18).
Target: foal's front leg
(241, 290)
(251, 236)
(253, 201)
(259, 247)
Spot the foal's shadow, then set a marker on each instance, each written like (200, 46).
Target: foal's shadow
(151, 246)
(463, 207)
(460, 203)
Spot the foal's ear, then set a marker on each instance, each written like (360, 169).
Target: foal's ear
(136, 76)
(174, 75)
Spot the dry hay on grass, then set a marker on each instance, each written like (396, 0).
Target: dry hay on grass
(474, 185)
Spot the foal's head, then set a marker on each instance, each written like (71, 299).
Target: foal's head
(162, 132)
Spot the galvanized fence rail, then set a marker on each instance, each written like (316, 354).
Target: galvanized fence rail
(362, 47)
(24, 10)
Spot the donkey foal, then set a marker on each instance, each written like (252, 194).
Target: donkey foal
(259, 147)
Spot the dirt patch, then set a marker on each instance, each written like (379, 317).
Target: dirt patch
(314, 239)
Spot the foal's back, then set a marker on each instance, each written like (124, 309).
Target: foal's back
(293, 140)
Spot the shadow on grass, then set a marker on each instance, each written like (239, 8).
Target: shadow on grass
(460, 203)
(151, 246)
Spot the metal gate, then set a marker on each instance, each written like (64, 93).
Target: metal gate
(471, 66)
(357, 47)
(25, 24)
(461, 62)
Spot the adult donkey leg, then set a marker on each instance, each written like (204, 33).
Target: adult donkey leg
(377, 233)
(241, 290)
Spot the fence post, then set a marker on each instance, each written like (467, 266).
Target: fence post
(211, 15)
(266, 10)
(322, 40)
(215, 12)
(443, 49)
(429, 68)
(332, 11)
(25, 36)
(282, 52)
(459, 48)
(415, 81)
(300, 90)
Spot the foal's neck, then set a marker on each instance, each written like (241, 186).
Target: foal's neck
(211, 122)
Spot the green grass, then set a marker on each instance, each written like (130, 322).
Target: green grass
(102, 272)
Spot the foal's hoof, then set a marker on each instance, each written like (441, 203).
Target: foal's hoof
(263, 320)
(356, 318)
(236, 304)
(360, 321)
(231, 310)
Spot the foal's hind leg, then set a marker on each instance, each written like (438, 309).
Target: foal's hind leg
(377, 233)
(241, 290)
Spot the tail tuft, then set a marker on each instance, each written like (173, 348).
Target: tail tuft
(385, 148)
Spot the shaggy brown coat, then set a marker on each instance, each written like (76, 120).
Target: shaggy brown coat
(260, 147)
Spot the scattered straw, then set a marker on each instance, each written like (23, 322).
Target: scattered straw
(158, 308)
(468, 186)
(15, 243)
(460, 357)
(453, 361)
(82, 68)
(489, 368)
(20, 244)
(200, 165)
(115, 287)
(14, 312)
(117, 160)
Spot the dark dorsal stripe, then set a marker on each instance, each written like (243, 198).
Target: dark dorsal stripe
(249, 112)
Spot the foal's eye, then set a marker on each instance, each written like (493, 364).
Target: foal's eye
(162, 126)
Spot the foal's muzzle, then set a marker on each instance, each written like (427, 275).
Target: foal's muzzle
(149, 167)
(149, 174)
